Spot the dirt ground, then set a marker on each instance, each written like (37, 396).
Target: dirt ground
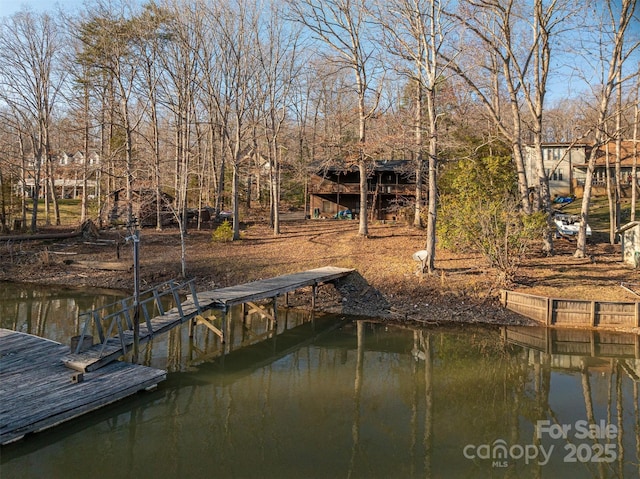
(463, 290)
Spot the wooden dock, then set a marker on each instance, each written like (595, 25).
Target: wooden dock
(271, 287)
(43, 383)
(114, 347)
(38, 392)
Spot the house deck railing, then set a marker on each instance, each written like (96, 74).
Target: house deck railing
(354, 188)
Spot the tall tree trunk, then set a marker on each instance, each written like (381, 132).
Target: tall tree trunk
(85, 150)
(610, 199)
(36, 189)
(618, 167)
(363, 226)
(275, 188)
(634, 167)
(419, 160)
(620, 25)
(219, 205)
(429, 262)
(23, 181)
(235, 200)
(124, 109)
(3, 196)
(157, 174)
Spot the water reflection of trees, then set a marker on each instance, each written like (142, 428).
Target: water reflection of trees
(48, 311)
(369, 400)
(592, 356)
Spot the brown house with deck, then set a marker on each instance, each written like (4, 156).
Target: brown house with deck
(334, 191)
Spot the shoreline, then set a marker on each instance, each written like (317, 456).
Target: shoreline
(368, 306)
(385, 287)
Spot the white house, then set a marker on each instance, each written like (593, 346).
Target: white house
(67, 175)
(566, 166)
(560, 160)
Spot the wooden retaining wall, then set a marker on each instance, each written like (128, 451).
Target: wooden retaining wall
(573, 312)
(575, 342)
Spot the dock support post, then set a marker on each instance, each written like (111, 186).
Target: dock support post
(223, 325)
(314, 292)
(274, 325)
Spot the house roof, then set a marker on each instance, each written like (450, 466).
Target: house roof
(628, 226)
(564, 144)
(378, 165)
(627, 150)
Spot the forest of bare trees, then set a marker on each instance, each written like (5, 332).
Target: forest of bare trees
(216, 103)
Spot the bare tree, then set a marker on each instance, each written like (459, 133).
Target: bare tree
(341, 25)
(484, 62)
(518, 43)
(108, 36)
(30, 46)
(181, 67)
(234, 28)
(616, 27)
(214, 114)
(546, 19)
(415, 32)
(277, 59)
(151, 25)
(634, 167)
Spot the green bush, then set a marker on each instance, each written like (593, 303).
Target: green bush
(223, 233)
(479, 211)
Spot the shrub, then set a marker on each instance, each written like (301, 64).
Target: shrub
(479, 211)
(223, 233)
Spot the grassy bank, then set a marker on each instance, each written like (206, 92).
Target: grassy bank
(70, 210)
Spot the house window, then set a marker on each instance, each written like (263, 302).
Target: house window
(560, 175)
(326, 206)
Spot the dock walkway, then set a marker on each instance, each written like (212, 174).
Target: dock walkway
(270, 287)
(114, 347)
(43, 383)
(37, 391)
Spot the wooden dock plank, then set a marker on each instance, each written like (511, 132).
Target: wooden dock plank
(271, 287)
(36, 390)
(93, 359)
(96, 357)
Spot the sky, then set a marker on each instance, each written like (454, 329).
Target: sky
(9, 7)
(559, 86)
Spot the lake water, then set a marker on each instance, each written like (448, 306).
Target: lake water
(328, 397)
